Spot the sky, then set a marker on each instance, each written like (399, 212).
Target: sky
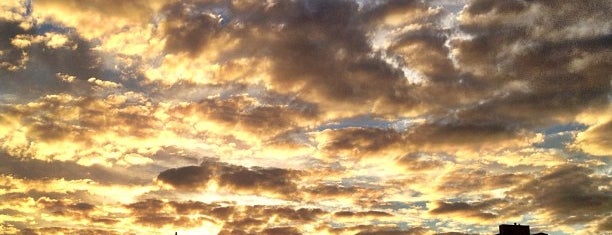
(412, 117)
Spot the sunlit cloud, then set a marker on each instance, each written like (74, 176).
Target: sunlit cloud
(304, 117)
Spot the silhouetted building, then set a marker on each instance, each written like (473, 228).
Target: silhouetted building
(508, 229)
(514, 229)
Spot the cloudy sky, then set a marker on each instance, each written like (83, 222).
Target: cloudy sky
(305, 116)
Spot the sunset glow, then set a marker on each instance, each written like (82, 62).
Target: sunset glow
(284, 117)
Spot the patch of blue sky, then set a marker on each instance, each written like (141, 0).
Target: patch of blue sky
(559, 136)
(573, 126)
(362, 181)
(556, 140)
(28, 5)
(367, 121)
(51, 27)
(397, 205)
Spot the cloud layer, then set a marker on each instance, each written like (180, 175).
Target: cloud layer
(305, 116)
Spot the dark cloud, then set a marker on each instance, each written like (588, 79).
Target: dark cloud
(464, 133)
(299, 215)
(386, 231)
(188, 30)
(467, 180)
(236, 219)
(435, 136)
(358, 214)
(153, 212)
(256, 116)
(282, 231)
(560, 68)
(158, 213)
(317, 49)
(332, 190)
(189, 177)
(12, 56)
(420, 161)
(362, 139)
(32, 65)
(423, 50)
(376, 13)
(215, 210)
(146, 206)
(34, 169)
(49, 120)
(478, 210)
(570, 194)
(606, 224)
(273, 179)
(238, 178)
(66, 209)
(241, 224)
(62, 230)
(480, 83)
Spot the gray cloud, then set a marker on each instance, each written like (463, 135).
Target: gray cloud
(421, 161)
(476, 209)
(462, 181)
(571, 194)
(318, 49)
(362, 214)
(31, 68)
(237, 219)
(34, 169)
(255, 179)
(249, 114)
(544, 57)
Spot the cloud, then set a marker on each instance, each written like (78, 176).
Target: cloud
(46, 62)
(281, 230)
(250, 115)
(316, 49)
(85, 16)
(362, 214)
(357, 141)
(14, 59)
(506, 47)
(421, 161)
(188, 177)
(393, 231)
(60, 207)
(462, 181)
(477, 210)
(62, 230)
(235, 218)
(235, 178)
(332, 190)
(568, 194)
(35, 169)
(437, 136)
(500, 7)
(421, 116)
(73, 122)
(595, 139)
(187, 32)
